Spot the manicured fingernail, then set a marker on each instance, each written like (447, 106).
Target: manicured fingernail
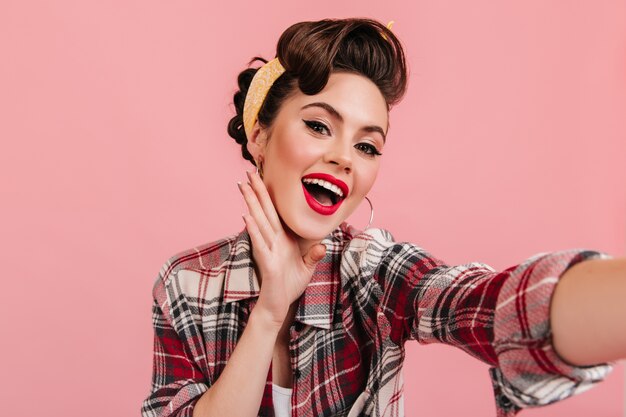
(248, 174)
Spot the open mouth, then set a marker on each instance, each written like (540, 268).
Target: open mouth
(324, 196)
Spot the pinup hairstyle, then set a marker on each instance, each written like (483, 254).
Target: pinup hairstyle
(311, 51)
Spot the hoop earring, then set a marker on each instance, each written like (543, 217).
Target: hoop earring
(371, 213)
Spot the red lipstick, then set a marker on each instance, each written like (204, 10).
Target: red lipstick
(335, 181)
(314, 204)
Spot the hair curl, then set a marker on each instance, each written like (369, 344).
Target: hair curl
(311, 51)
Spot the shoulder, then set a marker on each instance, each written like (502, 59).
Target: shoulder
(376, 248)
(183, 273)
(202, 257)
(362, 243)
(372, 259)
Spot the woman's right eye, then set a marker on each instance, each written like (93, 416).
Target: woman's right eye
(317, 127)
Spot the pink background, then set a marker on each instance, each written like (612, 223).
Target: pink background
(115, 156)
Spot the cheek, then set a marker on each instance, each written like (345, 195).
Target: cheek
(297, 152)
(367, 178)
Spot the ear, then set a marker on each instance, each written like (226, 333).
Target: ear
(257, 141)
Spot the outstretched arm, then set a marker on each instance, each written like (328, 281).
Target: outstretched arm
(588, 312)
(501, 318)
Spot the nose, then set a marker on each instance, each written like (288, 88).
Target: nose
(340, 154)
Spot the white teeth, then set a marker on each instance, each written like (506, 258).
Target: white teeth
(324, 184)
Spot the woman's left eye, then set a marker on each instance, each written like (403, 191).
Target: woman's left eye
(317, 127)
(368, 149)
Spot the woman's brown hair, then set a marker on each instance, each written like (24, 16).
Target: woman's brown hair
(311, 51)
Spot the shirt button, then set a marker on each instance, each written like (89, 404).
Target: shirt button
(298, 373)
(504, 402)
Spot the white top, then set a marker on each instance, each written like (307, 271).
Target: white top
(282, 400)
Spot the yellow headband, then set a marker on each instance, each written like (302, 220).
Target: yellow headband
(260, 85)
(389, 25)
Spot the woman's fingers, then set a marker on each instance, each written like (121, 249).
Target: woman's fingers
(257, 213)
(255, 234)
(265, 200)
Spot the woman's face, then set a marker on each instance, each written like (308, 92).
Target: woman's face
(336, 133)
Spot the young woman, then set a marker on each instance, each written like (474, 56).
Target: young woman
(302, 314)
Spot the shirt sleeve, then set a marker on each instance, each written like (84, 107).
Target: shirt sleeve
(501, 318)
(177, 379)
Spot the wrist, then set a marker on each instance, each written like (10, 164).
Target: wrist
(264, 319)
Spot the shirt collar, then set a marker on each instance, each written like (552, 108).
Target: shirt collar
(317, 304)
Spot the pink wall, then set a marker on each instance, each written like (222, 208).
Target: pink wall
(115, 156)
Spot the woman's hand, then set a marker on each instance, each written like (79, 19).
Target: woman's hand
(284, 271)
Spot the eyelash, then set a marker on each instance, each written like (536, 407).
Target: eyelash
(367, 148)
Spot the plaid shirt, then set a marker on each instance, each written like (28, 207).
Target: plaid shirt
(366, 298)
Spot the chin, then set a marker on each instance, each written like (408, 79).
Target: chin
(311, 230)
(302, 221)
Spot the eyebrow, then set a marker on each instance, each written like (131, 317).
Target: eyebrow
(330, 109)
